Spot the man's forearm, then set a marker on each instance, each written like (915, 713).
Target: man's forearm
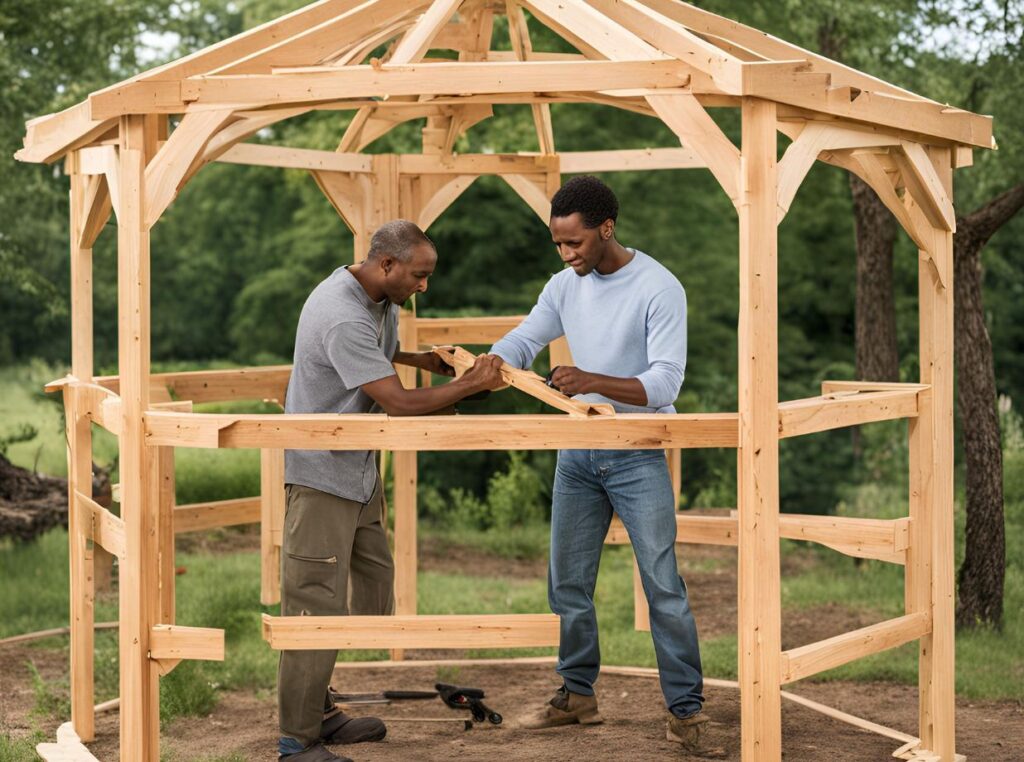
(628, 390)
(414, 359)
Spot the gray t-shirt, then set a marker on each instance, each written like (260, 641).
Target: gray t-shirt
(344, 340)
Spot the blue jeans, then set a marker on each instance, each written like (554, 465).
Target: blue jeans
(635, 484)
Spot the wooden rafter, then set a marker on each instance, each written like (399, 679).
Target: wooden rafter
(522, 48)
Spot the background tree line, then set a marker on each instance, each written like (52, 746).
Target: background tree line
(238, 252)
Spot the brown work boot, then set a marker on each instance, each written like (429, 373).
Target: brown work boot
(566, 708)
(688, 731)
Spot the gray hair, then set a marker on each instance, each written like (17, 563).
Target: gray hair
(397, 239)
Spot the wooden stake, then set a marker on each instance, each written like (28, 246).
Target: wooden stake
(272, 509)
(758, 455)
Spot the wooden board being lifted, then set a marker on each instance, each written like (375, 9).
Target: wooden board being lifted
(526, 381)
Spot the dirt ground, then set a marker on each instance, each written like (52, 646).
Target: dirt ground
(245, 724)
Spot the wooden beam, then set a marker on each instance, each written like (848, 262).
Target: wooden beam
(97, 208)
(295, 158)
(442, 432)
(522, 49)
(850, 408)
(924, 184)
(526, 381)
(49, 137)
(464, 330)
(167, 172)
(868, 167)
(266, 383)
(296, 633)
(758, 453)
(629, 160)
(798, 663)
(168, 641)
(272, 510)
(685, 116)
(415, 42)
(476, 164)
(417, 79)
(830, 387)
(219, 513)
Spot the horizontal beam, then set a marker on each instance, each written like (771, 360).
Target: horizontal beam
(264, 383)
(257, 154)
(830, 387)
(219, 513)
(465, 330)
(798, 663)
(441, 432)
(629, 160)
(852, 408)
(103, 527)
(476, 164)
(877, 539)
(411, 631)
(171, 641)
(369, 81)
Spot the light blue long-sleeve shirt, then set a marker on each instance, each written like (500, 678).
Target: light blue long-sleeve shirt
(630, 324)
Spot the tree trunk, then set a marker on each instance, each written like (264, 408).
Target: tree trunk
(983, 570)
(877, 356)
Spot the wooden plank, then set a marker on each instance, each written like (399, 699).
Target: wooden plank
(588, 28)
(272, 509)
(263, 383)
(829, 387)
(168, 641)
(98, 206)
(935, 463)
(808, 416)
(442, 432)
(475, 164)
(138, 585)
(102, 526)
(163, 486)
(924, 184)
(522, 49)
(219, 513)
(406, 475)
(439, 631)
(68, 748)
(758, 452)
(526, 381)
(628, 160)
(869, 169)
(258, 154)
(81, 558)
(415, 42)
(798, 663)
(467, 330)
(416, 79)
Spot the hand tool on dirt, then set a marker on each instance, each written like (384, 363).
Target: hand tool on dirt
(468, 698)
(382, 697)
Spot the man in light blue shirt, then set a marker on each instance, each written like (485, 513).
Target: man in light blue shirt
(624, 316)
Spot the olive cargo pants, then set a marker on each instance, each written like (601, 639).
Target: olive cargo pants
(332, 549)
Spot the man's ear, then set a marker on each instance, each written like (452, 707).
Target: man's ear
(607, 229)
(386, 264)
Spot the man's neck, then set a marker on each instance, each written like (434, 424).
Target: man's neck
(365, 277)
(617, 257)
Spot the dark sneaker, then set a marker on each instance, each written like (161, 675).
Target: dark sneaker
(315, 753)
(340, 728)
(688, 731)
(566, 708)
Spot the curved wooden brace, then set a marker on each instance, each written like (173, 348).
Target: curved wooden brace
(434, 204)
(924, 185)
(97, 207)
(532, 193)
(350, 194)
(805, 148)
(166, 173)
(684, 115)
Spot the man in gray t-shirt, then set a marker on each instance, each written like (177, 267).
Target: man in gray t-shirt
(334, 540)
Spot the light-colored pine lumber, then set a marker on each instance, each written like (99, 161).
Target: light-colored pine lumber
(295, 158)
(438, 631)
(68, 748)
(472, 330)
(263, 383)
(830, 387)
(415, 79)
(522, 48)
(815, 414)
(758, 452)
(169, 641)
(101, 526)
(476, 164)
(869, 168)
(442, 432)
(924, 184)
(405, 472)
(272, 510)
(417, 40)
(220, 513)
(628, 160)
(798, 663)
(138, 583)
(526, 381)
(531, 193)
(164, 497)
(98, 206)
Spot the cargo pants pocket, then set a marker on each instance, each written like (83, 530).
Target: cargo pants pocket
(311, 576)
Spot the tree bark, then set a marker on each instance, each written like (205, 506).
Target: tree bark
(982, 573)
(877, 356)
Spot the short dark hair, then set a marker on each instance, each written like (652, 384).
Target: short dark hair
(397, 239)
(589, 196)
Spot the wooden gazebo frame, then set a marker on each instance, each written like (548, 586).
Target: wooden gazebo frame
(661, 58)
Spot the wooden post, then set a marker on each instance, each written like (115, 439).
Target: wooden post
(79, 438)
(139, 592)
(271, 524)
(163, 484)
(930, 562)
(760, 643)
(404, 469)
